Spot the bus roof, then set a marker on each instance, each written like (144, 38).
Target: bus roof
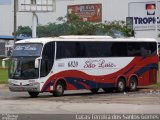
(85, 38)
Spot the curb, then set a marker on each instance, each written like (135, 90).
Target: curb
(2, 86)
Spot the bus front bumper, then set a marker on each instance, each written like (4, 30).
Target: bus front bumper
(32, 88)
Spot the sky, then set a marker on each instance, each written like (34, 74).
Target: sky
(5, 1)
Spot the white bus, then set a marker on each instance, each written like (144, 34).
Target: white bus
(82, 62)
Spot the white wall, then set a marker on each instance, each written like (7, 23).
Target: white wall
(111, 10)
(6, 22)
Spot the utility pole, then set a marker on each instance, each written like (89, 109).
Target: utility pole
(34, 21)
(34, 25)
(15, 20)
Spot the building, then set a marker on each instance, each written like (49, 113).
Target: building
(6, 45)
(111, 10)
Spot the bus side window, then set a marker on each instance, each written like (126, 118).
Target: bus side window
(119, 49)
(153, 47)
(68, 53)
(89, 49)
(66, 50)
(133, 49)
(81, 49)
(148, 49)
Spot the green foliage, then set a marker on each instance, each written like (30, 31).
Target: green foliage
(25, 31)
(156, 85)
(77, 27)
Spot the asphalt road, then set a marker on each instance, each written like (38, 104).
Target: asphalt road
(81, 102)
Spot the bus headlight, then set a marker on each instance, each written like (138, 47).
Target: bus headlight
(10, 83)
(34, 84)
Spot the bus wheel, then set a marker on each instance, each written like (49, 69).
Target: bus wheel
(59, 89)
(94, 90)
(133, 84)
(33, 94)
(121, 85)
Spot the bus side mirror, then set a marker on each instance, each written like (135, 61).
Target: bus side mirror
(37, 62)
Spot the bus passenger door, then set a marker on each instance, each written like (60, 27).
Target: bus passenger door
(47, 59)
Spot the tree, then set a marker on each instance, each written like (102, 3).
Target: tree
(25, 31)
(74, 26)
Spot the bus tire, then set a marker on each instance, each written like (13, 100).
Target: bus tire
(94, 90)
(133, 84)
(121, 85)
(33, 94)
(59, 89)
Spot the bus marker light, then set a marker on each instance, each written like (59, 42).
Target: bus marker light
(51, 87)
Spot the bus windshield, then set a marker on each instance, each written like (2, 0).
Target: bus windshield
(23, 68)
(22, 50)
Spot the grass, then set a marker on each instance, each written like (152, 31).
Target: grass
(156, 85)
(0, 63)
(3, 74)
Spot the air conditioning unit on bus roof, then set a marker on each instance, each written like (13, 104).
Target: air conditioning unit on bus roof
(85, 37)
